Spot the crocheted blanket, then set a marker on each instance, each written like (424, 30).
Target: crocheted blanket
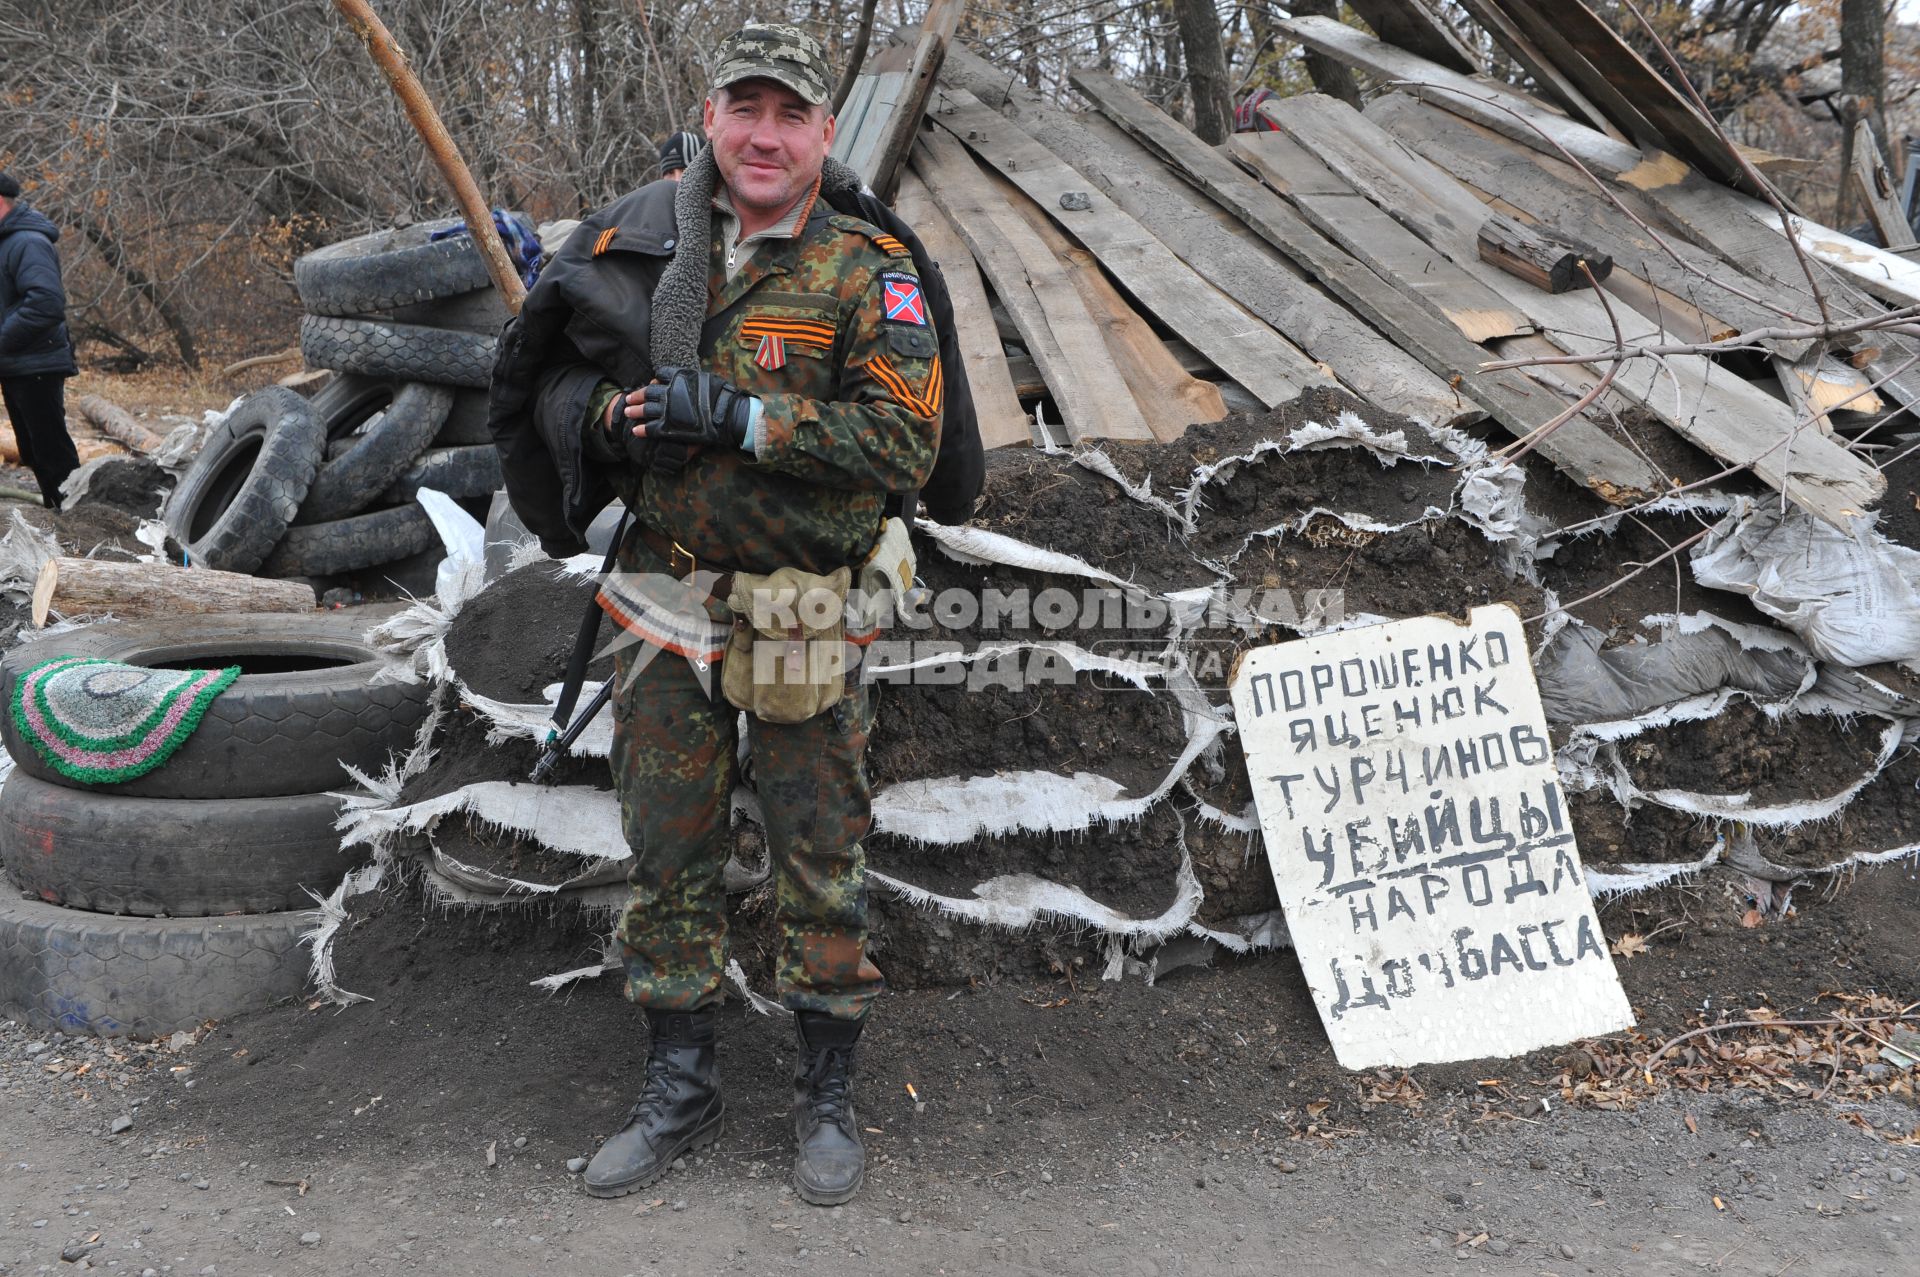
(100, 722)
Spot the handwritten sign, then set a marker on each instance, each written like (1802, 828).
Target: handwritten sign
(1420, 843)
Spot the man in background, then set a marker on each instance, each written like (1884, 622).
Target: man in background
(36, 355)
(678, 151)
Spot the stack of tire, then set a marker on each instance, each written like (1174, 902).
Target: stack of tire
(325, 488)
(156, 904)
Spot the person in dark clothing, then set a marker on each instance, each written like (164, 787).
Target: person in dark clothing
(36, 355)
(677, 151)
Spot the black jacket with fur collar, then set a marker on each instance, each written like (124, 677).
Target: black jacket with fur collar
(590, 318)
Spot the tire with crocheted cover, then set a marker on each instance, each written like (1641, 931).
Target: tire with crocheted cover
(96, 974)
(347, 545)
(404, 266)
(385, 424)
(246, 485)
(305, 703)
(380, 348)
(169, 857)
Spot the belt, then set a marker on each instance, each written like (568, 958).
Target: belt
(680, 561)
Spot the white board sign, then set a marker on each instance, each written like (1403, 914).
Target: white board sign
(1420, 843)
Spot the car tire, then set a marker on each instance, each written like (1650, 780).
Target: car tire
(378, 348)
(95, 974)
(458, 472)
(404, 418)
(403, 266)
(245, 486)
(307, 708)
(347, 545)
(169, 857)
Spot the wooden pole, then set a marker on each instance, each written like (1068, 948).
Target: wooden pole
(440, 145)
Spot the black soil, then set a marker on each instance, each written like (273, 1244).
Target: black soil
(1883, 816)
(91, 529)
(1608, 834)
(461, 1048)
(1049, 500)
(514, 638)
(1443, 567)
(463, 757)
(133, 484)
(1899, 518)
(1116, 621)
(506, 852)
(1094, 724)
(1741, 750)
(1128, 867)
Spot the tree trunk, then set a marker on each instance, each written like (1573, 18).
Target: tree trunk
(1863, 90)
(1335, 79)
(1206, 61)
(138, 280)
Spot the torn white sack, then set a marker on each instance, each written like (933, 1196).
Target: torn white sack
(1853, 596)
(1582, 681)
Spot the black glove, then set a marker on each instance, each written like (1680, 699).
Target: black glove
(690, 406)
(615, 439)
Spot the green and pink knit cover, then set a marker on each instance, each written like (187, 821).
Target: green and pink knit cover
(99, 721)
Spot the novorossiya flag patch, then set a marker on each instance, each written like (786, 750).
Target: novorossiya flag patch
(901, 299)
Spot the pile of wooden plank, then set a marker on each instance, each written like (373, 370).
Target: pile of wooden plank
(1460, 251)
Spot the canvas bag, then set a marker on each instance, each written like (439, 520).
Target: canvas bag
(786, 658)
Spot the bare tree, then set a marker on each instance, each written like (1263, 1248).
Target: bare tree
(1199, 24)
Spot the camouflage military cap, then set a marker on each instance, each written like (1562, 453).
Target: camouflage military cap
(775, 51)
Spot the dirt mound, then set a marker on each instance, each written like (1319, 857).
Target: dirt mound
(133, 484)
(1096, 723)
(514, 638)
(1128, 867)
(1742, 750)
(1050, 500)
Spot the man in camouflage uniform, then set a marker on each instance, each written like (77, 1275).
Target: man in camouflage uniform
(813, 392)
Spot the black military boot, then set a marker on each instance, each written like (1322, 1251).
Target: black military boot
(679, 1106)
(831, 1162)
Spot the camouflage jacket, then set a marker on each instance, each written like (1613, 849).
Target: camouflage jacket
(830, 329)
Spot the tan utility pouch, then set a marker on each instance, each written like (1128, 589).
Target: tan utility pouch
(883, 584)
(787, 657)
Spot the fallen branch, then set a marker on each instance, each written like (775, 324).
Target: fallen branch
(97, 587)
(259, 361)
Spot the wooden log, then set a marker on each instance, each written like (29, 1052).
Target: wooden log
(70, 587)
(1542, 259)
(111, 420)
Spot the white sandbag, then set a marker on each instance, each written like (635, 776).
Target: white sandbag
(1853, 596)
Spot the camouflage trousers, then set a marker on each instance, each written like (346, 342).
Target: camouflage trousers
(674, 766)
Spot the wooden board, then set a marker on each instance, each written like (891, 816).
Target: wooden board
(1061, 337)
(1535, 63)
(1508, 114)
(1413, 26)
(1002, 421)
(1152, 373)
(1240, 345)
(1704, 403)
(1635, 96)
(1874, 186)
(1553, 192)
(1589, 456)
(928, 44)
(1370, 364)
